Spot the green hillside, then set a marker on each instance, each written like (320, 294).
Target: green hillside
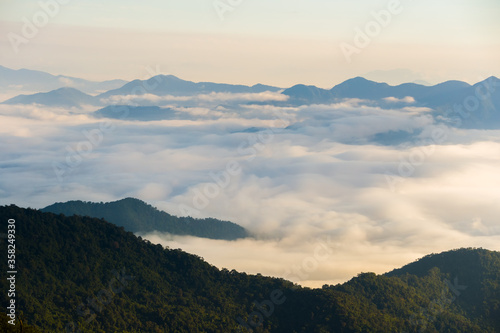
(137, 216)
(84, 274)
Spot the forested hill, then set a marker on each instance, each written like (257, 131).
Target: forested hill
(137, 216)
(85, 274)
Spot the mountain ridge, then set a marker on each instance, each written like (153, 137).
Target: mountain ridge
(34, 80)
(446, 100)
(161, 85)
(137, 216)
(369, 89)
(61, 97)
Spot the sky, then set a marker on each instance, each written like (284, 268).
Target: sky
(279, 42)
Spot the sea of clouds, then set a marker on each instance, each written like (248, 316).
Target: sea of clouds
(376, 187)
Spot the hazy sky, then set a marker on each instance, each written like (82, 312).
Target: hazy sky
(274, 42)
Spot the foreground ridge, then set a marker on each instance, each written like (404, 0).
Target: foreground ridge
(82, 272)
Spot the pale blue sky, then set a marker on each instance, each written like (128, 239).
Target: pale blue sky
(276, 42)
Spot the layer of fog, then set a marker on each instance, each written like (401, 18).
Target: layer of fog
(306, 177)
(151, 99)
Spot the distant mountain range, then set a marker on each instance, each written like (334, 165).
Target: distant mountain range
(478, 105)
(162, 85)
(449, 91)
(83, 274)
(136, 216)
(31, 80)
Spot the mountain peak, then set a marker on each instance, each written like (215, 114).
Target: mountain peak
(490, 79)
(360, 87)
(311, 94)
(359, 80)
(446, 261)
(130, 199)
(66, 96)
(67, 90)
(166, 77)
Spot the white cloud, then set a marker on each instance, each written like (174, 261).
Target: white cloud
(66, 81)
(154, 191)
(297, 187)
(211, 97)
(253, 97)
(140, 99)
(407, 100)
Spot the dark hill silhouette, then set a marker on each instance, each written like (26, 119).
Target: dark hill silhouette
(137, 216)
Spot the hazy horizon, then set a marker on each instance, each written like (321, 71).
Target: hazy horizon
(250, 42)
(371, 76)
